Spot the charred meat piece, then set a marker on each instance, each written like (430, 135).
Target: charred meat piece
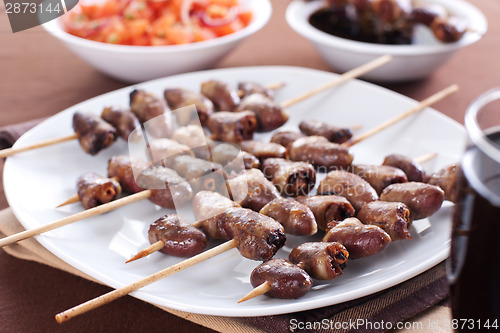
(207, 208)
(94, 134)
(263, 150)
(153, 113)
(359, 239)
(246, 88)
(178, 97)
(94, 190)
(201, 174)
(379, 176)
(287, 280)
(251, 189)
(284, 138)
(126, 169)
(296, 218)
(259, 237)
(446, 179)
(232, 126)
(222, 96)
(352, 187)
(320, 152)
(321, 260)
(168, 189)
(167, 150)
(422, 199)
(331, 132)
(124, 121)
(328, 208)
(181, 239)
(290, 178)
(269, 114)
(393, 217)
(414, 172)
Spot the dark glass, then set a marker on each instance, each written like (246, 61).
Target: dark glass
(474, 262)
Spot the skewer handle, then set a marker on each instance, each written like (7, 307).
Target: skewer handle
(147, 251)
(419, 107)
(353, 73)
(12, 151)
(76, 217)
(257, 291)
(112, 295)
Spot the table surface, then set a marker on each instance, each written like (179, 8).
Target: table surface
(39, 77)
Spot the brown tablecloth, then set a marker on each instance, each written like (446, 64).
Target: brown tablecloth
(39, 77)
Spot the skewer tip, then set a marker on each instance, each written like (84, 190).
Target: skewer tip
(147, 251)
(75, 198)
(257, 291)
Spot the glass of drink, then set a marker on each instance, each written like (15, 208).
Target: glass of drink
(474, 263)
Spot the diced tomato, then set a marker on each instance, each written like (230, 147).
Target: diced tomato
(155, 22)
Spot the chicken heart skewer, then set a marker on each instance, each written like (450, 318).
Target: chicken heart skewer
(147, 193)
(356, 72)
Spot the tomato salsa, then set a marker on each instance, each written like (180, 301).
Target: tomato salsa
(155, 22)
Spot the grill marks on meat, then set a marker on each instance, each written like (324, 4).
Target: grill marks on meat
(321, 260)
(286, 280)
(259, 237)
(94, 134)
(180, 238)
(94, 190)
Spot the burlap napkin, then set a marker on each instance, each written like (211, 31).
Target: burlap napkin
(393, 305)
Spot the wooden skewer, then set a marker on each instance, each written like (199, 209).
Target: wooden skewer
(74, 199)
(353, 73)
(12, 151)
(112, 295)
(76, 217)
(424, 158)
(257, 291)
(154, 247)
(419, 107)
(356, 72)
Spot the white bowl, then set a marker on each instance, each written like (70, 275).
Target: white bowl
(140, 63)
(410, 62)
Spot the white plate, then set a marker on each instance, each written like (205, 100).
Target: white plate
(36, 181)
